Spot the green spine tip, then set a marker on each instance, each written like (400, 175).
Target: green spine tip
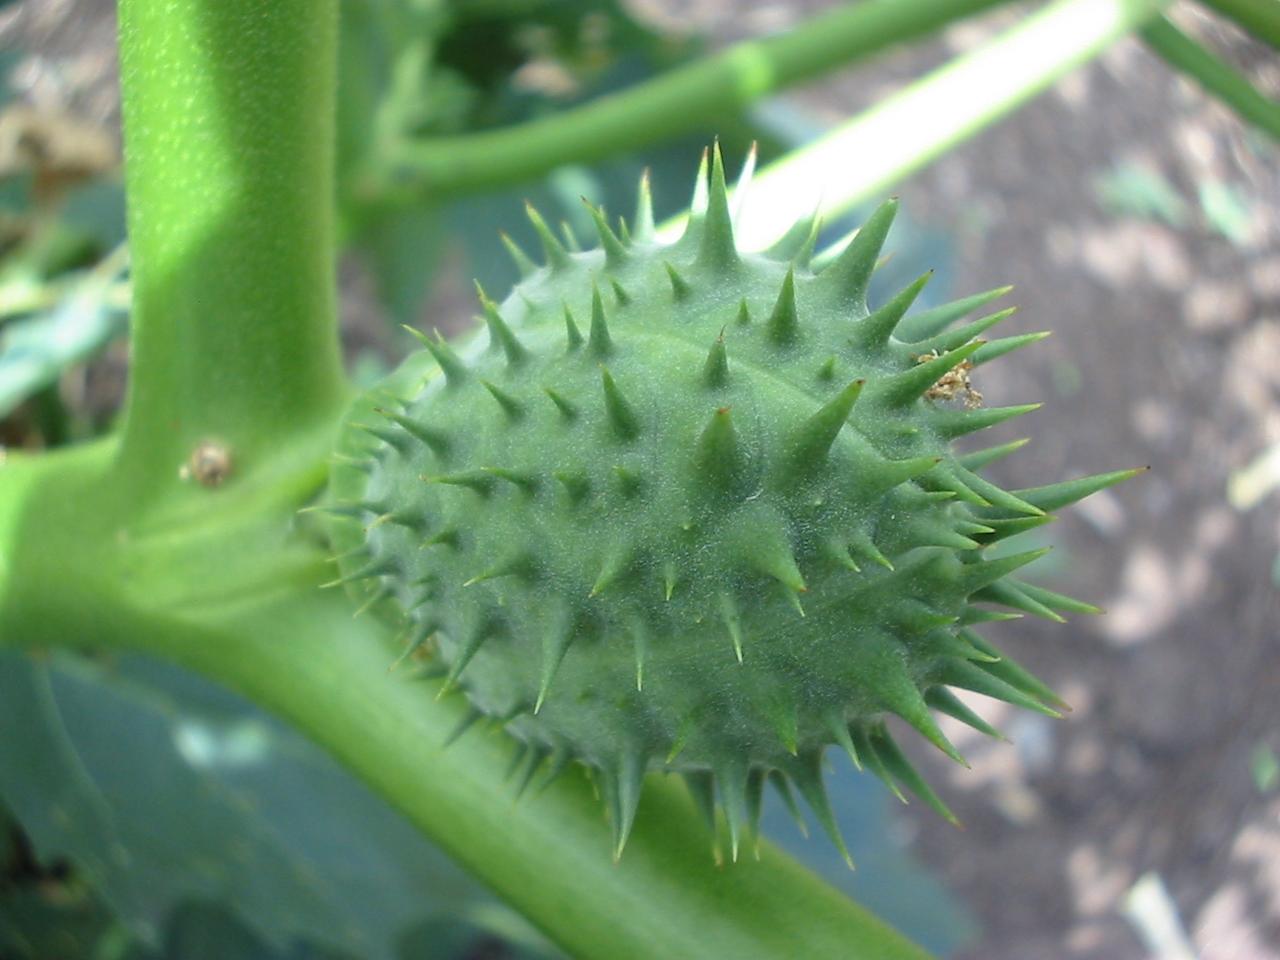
(789, 246)
(1007, 594)
(982, 458)
(996, 496)
(390, 437)
(512, 407)
(971, 676)
(525, 480)
(629, 482)
(576, 484)
(475, 480)
(731, 781)
(680, 288)
(617, 563)
(744, 313)
(1005, 669)
(715, 371)
(872, 761)
(975, 576)
(642, 229)
(615, 254)
(1057, 601)
(803, 257)
(879, 326)
(447, 537)
(517, 565)
(770, 554)
(469, 720)
(785, 722)
(573, 336)
(929, 323)
(946, 702)
(717, 249)
(669, 580)
(628, 783)
(951, 339)
(622, 416)
(570, 238)
(436, 440)
(893, 760)
(784, 322)
(782, 787)
(567, 409)
(807, 775)
(847, 278)
(524, 264)
(599, 342)
(372, 601)
(861, 545)
(620, 295)
(640, 645)
(995, 349)
(554, 251)
(1055, 496)
(838, 727)
(813, 439)
(732, 622)
(555, 644)
(465, 655)
(377, 568)
(701, 194)
(837, 551)
(718, 452)
(454, 370)
(951, 424)
(500, 335)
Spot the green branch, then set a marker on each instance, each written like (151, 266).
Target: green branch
(881, 147)
(228, 122)
(1182, 53)
(229, 593)
(1259, 17)
(685, 99)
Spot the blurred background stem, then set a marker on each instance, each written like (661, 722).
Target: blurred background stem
(676, 102)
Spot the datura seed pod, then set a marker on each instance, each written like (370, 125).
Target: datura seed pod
(691, 509)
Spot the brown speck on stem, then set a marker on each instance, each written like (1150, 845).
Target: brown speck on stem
(209, 464)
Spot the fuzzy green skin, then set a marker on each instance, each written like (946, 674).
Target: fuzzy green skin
(695, 556)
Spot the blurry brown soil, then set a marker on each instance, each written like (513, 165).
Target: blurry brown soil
(1166, 351)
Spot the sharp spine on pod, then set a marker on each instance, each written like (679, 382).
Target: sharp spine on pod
(614, 573)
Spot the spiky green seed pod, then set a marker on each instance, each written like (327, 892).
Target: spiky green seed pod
(697, 510)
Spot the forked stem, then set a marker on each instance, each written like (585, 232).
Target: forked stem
(229, 128)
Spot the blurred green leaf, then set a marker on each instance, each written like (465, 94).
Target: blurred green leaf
(1265, 767)
(1136, 191)
(162, 788)
(89, 312)
(1227, 210)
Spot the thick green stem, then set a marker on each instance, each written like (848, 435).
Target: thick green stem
(682, 100)
(1182, 53)
(229, 592)
(228, 115)
(1259, 17)
(879, 148)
